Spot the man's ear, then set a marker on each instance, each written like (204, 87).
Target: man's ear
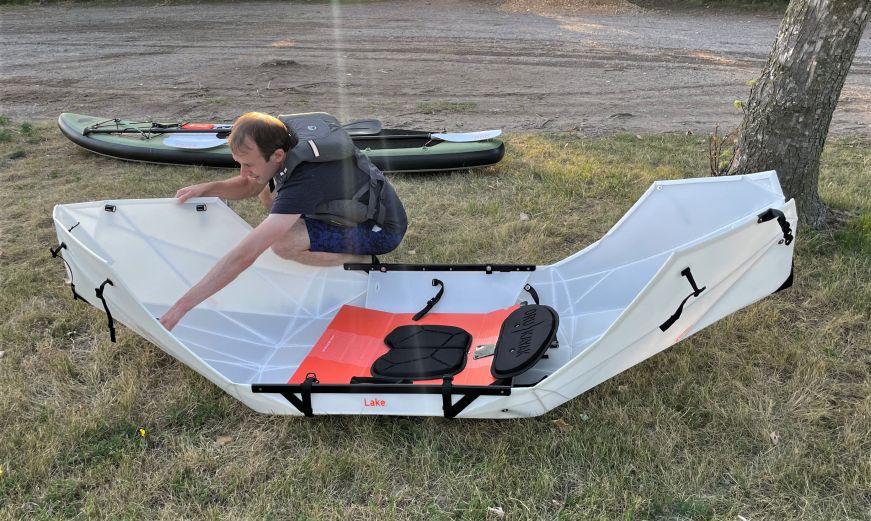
(278, 156)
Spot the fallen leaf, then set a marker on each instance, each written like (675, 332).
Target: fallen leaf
(496, 510)
(412, 252)
(223, 440)
(524, 217)
(561, 424)
(585, 418)
(2, 353)
(774, 437)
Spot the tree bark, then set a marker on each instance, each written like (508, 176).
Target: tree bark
(787, 117)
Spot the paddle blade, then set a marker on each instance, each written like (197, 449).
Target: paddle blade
(194, 141)
(467, 137)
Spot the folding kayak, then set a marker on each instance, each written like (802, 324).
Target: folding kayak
(490, 341)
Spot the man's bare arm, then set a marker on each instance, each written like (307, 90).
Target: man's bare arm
(265, 197)
(231, 265)
(236, 188)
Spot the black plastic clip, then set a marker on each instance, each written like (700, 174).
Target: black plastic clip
(201, 207)
(56, 251)
(770, 214)
(110, 208)
(99, 292)
(431, 302)
(696, 292)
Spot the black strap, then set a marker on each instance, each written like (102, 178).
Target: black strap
(770, 214)
(447, 401)
(99, 292)
(534, 294)
(55, 253)
(696, 292)
(431, 302)
(375, 211)
(306, 392)
(305, 404)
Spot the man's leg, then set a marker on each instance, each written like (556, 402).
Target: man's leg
(296, 246)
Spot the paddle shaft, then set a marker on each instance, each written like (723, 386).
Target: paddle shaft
(155, 130)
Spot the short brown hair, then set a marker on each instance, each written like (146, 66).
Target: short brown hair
(267, 132)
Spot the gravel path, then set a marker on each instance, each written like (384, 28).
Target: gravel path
(439, 64)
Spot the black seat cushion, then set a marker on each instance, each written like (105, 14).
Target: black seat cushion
(423, 352)
(525, 335)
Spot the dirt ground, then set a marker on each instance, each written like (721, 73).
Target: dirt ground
(457, 65)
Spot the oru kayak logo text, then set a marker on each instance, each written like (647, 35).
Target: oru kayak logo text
(373, 402)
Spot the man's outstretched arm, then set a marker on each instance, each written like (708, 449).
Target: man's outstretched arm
(231, 265)
(235, 188)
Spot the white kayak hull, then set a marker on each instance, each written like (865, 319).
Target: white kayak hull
(613, 298)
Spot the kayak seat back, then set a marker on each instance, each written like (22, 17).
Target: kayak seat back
(423, 352)
(525, 336)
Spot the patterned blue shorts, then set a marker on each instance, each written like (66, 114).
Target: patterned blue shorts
(362, 239)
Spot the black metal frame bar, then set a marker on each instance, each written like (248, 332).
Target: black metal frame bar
(487, 268)
(450, 408)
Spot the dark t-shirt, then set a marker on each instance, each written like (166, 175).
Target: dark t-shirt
(311, 184)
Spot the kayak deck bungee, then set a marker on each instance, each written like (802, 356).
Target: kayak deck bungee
(493, 341)
(392, 150)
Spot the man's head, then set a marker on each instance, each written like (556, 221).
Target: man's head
(259, 143)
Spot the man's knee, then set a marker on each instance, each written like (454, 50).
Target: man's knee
(294, 244)
(286, 250)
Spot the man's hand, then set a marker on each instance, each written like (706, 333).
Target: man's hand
(171, 317)
(191, 191)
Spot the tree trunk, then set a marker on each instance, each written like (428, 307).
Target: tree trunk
(790, 108)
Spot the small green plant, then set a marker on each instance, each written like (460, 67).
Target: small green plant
(721, 151)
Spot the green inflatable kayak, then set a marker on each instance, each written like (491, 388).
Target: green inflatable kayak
(392, 150)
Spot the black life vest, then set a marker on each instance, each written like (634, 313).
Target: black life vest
(321, 139)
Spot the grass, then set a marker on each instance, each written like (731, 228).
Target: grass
(765, 415)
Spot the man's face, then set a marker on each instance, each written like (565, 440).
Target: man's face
(253, 166)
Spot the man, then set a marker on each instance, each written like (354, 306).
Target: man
(261, 144)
